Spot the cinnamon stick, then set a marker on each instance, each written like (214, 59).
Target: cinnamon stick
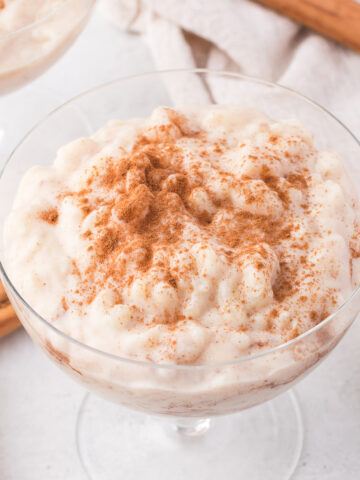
(8, 319)
(336, 19)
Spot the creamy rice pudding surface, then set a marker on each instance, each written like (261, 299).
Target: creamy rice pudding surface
(196, 236)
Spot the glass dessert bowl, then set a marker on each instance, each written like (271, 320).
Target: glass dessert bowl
(28, 49)
(263, 442)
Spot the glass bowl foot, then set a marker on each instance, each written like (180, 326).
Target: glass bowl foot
(262, 442)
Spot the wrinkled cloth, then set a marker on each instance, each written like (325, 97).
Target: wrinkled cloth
(243, 36)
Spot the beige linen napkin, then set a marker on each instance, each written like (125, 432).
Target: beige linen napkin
(242, 36)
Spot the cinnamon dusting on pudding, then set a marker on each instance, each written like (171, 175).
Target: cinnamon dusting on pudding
(150, 197)
(64, 304)
(50, 216)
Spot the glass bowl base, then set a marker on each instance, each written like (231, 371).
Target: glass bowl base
(262, 442)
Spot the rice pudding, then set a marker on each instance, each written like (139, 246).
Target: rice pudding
(197, 236)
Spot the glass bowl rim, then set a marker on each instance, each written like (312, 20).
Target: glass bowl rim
(32, 25)
(168, 366)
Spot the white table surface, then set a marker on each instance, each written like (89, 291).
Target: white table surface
(39, 404)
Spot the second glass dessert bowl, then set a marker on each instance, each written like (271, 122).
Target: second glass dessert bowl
(262, 442)
(31, 49)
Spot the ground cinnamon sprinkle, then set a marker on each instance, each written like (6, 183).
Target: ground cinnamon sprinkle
(146, 200)
(158, 197)
(355, 252)
(106, 244)
(50, 216)
(64, 303)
